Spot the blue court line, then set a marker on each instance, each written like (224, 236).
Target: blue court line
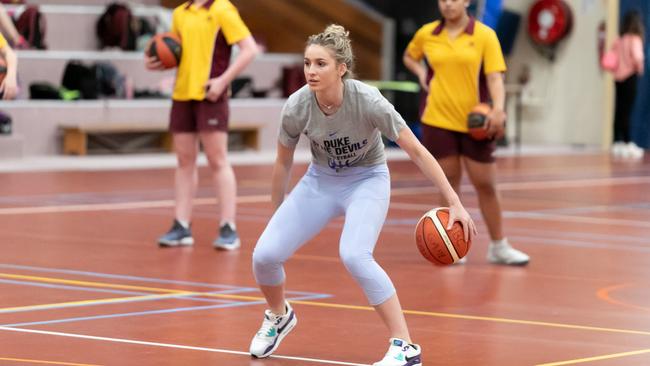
(99, 301)
(162, 311)
(125, 292)
(143, 279)
(121, 277)
(75, 288)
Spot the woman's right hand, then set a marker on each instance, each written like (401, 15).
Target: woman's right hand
(458, 213)
(152, 63)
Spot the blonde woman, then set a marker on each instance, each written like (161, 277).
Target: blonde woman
(348, 176)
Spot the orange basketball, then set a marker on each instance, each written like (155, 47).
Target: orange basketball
(166, 47)
(436, 244)
(476, 121)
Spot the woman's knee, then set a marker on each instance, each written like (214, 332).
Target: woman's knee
(355, 260)
(186, 160)
(218, 162)
(264, 257)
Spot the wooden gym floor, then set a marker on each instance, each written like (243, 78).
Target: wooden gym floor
(84, 283)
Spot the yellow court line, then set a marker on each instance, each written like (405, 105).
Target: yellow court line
(334, 305)
(482, 318)
(89, 302)
(596, 358)
(89, 284)
(169, 293)
(46, 362)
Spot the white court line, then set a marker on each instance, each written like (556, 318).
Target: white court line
(169, 345)
(120, 206)
(520, 186)
(267, 198)
(537, 216)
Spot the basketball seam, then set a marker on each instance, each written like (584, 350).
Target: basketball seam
(424, 237)
(445, 238)
(172, 45)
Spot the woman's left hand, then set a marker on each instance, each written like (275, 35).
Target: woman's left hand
(215, 87)
(458, 213)
(496, 123)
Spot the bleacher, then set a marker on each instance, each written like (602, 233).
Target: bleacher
(40, 126)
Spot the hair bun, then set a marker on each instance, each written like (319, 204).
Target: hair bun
(336, 30)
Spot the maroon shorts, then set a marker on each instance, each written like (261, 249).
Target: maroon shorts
(199, 115)
(442, 143)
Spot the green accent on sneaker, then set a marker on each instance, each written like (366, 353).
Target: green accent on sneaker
(272, 332)
(399, 357)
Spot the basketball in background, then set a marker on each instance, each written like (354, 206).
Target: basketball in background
(476, 121)
(436, 244)
(166, 47)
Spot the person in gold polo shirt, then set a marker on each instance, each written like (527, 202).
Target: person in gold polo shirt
(199, 113)
(9, 86)
(457, 49)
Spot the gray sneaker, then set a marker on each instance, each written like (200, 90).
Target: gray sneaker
(228, 238)
(176, 236)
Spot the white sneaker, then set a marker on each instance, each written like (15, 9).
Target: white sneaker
(633, 151)
(273, 330)
(401, 353)
(503, 253)
(618, 149)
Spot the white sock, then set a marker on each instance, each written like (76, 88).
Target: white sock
(503, 241)
(185, 224)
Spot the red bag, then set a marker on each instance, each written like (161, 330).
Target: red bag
(31, 25)
(293, 78)
(116, 27)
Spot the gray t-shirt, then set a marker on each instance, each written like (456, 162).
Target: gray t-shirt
(351, 136)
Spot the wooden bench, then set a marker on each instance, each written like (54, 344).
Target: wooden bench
(78, 139)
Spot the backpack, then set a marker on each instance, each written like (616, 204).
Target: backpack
(116, 27)
(77, 76)
(5, 123)
(109, 80)
(43, 90)
(31, 25)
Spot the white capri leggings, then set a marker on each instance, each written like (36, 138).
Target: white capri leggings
(362, 194)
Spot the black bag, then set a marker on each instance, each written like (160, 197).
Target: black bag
(31, 25)
(43, 90)
(5, 123)
(77, 76)
(109, 80)
(117, 27)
